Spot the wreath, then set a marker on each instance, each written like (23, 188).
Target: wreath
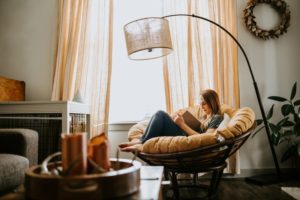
(281, 8)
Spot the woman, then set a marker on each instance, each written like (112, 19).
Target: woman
(162, 124)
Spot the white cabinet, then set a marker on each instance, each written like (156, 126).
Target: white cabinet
(48, 118)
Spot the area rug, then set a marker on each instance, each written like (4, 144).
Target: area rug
(292, 191)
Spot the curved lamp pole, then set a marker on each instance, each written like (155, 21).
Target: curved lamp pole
(144, 41)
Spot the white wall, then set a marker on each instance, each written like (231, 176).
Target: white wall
(116, 135)
(27, 44)
(276, 67)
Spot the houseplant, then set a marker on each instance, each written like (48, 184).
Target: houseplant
(287, 129)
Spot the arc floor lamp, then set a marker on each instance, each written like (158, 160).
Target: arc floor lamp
(149, 38)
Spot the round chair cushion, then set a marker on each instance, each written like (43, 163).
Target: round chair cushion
(12, 171)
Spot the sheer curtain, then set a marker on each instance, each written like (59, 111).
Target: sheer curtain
(83, 63)
(204, 56)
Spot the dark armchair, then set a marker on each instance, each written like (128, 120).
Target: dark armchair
(18, 151)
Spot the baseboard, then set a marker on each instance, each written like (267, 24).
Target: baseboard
(249, 172)
(255, 172)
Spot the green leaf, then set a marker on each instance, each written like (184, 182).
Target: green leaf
(259, 122)
(296, 118)
(297, 103)
(297, 129)
(270, 113)
(298, 149)
(275, 138)
(277, 98)
(286, 109)
(291, 151)
(282, 122)
(288, 124)
(274, 128)
(297, 133)
(275, 134)
(294, 89)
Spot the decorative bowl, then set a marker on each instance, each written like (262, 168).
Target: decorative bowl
(122, 181)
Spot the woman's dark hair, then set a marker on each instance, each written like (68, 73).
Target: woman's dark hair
(211, 97)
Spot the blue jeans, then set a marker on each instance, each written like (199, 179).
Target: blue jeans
(161, 124)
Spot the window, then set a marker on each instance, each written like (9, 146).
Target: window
(137, 87)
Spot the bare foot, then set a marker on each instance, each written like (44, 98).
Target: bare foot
(128, 144)
(132, 148)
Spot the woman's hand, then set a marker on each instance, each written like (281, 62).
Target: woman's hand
(178, 119)
(174, 114)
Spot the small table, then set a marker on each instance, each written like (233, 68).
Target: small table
(150, 188)
(151, 178)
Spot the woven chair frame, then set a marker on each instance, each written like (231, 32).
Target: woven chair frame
(210, 158)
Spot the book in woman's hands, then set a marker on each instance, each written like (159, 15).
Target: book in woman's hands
(191, 120)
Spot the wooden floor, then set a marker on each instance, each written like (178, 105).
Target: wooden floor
(235, 189)
(229, 189)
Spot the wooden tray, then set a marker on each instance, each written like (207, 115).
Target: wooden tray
(109, 185)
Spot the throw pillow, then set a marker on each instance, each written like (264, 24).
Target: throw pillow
(225, 122)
